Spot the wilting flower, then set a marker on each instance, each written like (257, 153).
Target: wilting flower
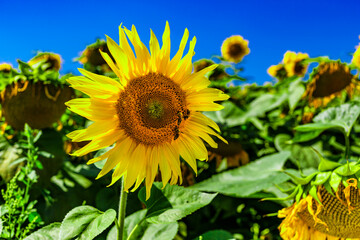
(151, 115)
(92, 59)
(328, 81)
(234, 48)
(294, 63)
(333, 217)
(47, 61)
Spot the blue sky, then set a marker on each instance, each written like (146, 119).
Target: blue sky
(272, 27)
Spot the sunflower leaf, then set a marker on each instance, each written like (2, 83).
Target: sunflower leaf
(321, 178)
(326, 165)
(85, 222)
(172, 203)
(49, 232)
(347, 169)
(248, 179)
(296, 90)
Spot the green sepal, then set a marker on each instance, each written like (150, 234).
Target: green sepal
(298, 195)
(313, 193)
(321, 178)
(334, 181)
(299, 180)
(291, 196)
(350, 168)
(327, 165)
(285, 190)
(328, 188)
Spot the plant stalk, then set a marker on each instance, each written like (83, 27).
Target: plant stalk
(121, 211)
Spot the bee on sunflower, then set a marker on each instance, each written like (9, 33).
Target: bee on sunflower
(328, 81)
(152, 114)
(35, 95)
(235, 48)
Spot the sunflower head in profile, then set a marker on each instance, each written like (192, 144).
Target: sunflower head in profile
(234, 48)
(216, 74)
(46, 61)
(92, 59)
(356, 56)
(324, 217)
(329, 80)
(277, 71)
(151, 115)
(294, 63)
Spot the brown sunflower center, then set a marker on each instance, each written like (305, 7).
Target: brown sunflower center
(331, 78)
(151, 109)
(340, 221)
(236, 49)
(299, 68)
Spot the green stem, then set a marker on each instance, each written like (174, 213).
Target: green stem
(121, 212)
(347, 147)
(134, 229)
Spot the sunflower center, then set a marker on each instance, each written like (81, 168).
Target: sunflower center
(331, 78)
(236, 49)
(151, 109)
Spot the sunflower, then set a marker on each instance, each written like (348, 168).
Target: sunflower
(277, 71)
(151, 115)
(330, 217)
(217, 74)
(5, 67)
(233, 152)
(356, 57)
(294, 63)
(328, 81)
(92, 59)
(234, 48)
(47, 61)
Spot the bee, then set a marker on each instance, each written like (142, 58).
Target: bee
(186, 116)
(182, 116)
(176, 133)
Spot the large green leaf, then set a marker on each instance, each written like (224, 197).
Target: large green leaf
(136, 228)
(251, 178)
(85, 222)
(296, 90)
(215, 235)
(172, 203)
(49, 232)
(265, 103)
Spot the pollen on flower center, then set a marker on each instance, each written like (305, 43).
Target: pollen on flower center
(149, 107)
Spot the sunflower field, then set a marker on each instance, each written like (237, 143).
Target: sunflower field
(143, 145)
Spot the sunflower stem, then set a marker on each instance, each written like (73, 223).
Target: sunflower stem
(347, 147)
(121, 211)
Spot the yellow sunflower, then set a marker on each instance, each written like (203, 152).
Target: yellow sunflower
(92, 59)
(294, 63)
(51, 61)
(328, 81)
(277, 71)
(5, 67)
(335, 217)
(356, 57)
(234, 48)
(151, 115)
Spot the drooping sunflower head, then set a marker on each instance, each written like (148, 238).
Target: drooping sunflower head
(92, 59)
(151, 115)
(328, 81)
(330, 216)
(46, 61)
(234, 48)
(294, 63)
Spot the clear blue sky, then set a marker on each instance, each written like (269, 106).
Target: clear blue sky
(324, 27)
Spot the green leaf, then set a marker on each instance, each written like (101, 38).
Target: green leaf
(215, 235)
(296, 90)
(320, 127)
(265, 103)
(172, 203)
(344, 115)
(50, 232)
(305, 136)
(248, 179)
(85, 220)
(98, 225)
